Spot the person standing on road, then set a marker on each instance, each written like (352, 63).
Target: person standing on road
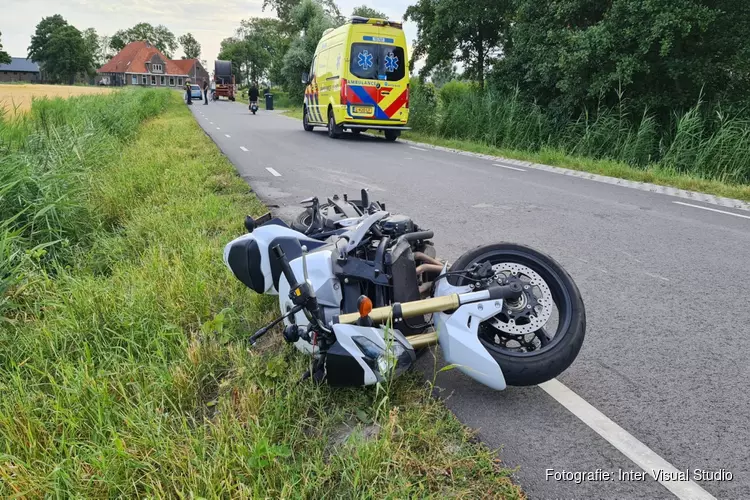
(188, 90)
(205, 92)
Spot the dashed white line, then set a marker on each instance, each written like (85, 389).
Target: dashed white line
(712, 209)
(630, 255)
(273, 172)
(211, 123)
(626, 443)
(243, 148)
(418, 149)
(510, 168)
(218, 128)
(656, 276)
(228, 136)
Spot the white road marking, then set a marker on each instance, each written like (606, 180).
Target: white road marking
(211, 123)
(243, 148)
(656, 276)
(228, 136)
(217, 128)
(511, 168)
(274, 172)
(583, 260)
(712, 209)
(625, 442)
(418, 149)
(629, 255)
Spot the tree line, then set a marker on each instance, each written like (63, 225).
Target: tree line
(278, 50)
(66, 53)
(567, 55)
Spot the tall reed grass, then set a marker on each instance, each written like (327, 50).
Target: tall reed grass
(49, 159)
(705, 141)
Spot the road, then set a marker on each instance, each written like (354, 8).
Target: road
(666, 287)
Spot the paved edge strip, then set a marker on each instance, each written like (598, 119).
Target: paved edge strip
(626, 443)
(642, 186)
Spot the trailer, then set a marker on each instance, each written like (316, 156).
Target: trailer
(224, 84)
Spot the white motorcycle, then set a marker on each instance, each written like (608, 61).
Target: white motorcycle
(365, 298)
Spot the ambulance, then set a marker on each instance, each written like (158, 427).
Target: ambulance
(359, 79)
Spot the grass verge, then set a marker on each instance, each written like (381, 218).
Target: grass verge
(652, 174)
(126, 373)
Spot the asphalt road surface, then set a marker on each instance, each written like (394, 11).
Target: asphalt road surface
(666, 287)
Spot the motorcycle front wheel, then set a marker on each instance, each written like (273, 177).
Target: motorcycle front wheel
(538, 336)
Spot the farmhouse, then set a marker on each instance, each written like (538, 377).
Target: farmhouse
(20, 69)
(140, 63)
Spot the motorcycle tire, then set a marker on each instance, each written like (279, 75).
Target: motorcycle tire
(551, 359)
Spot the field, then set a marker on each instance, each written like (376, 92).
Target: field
(20, 96)
(124, 367)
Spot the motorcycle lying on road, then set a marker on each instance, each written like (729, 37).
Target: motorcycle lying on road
(363, 297)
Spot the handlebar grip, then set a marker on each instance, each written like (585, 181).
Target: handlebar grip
(420, 235)
(285, 267)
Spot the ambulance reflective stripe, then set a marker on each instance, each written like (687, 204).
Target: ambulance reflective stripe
(387, 101)
(316, 97)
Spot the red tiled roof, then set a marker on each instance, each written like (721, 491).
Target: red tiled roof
(185, 65)
(134, 56)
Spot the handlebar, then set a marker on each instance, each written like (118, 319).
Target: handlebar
(285, 267)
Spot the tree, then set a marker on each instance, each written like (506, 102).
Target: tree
(158, 36)
(66, 55)
(660, 54)
(93, 48)
(313, 18)
(365, 11)
(458, 30)
(443, 73)
(190, 46)
(4, 56)
(37, 51)
(60, 49)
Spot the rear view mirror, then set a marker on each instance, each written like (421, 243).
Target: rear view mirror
(305, 78)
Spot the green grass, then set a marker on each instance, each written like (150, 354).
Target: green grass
(654, 174)
(123, 366)
(706, 148)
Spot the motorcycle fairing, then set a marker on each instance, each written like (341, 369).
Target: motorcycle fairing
(458, 335)
(347, 364)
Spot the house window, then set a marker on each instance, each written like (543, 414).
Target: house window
(157, 68)
(143, 80)
(153, 80)
(171, 81)
(134, 80)
(161, 80)
(179, 81)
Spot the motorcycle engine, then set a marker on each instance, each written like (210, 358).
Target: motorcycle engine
(397, 225)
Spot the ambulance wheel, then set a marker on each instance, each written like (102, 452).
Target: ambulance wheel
(305, 122)
(334, 131)
(392, 135)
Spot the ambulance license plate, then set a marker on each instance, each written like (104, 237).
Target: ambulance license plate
(362, 110)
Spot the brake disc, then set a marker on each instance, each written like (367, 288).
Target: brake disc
(532, 310)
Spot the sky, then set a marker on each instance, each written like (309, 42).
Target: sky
(210, 21)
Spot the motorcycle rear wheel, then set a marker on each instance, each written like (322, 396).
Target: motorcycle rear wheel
(535, 357)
